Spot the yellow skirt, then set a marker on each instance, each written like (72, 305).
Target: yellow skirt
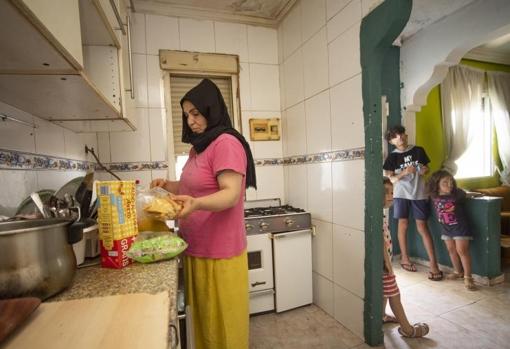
(217, 293)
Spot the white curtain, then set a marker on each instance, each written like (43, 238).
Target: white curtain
(499, 94)
(461, 98)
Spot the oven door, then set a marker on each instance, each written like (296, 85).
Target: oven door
(260, 262)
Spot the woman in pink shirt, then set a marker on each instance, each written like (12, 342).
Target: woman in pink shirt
(212, 185)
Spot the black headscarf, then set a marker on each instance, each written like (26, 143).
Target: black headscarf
(207, 98)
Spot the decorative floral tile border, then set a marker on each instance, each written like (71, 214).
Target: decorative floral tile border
(337, 155)
(137, 166)
(16, 160)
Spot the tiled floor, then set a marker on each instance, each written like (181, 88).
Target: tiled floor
(457, 318)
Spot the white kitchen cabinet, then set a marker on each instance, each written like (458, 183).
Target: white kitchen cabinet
(62, 19)
(292, 255)
(42, 72)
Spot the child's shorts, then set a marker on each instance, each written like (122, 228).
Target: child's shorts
(401, 208)
(462, 237)
(390, 287)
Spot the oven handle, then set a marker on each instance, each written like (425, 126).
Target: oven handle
(261, 292)
(284, 235)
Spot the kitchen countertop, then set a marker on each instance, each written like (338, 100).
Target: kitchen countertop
(152, 278)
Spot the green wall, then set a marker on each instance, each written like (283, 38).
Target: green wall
(429, 130)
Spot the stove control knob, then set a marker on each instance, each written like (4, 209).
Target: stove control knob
(289, 222)
(264, 225)
(248, 227)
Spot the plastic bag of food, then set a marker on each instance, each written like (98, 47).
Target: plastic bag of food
(151, 247)
(154, 207)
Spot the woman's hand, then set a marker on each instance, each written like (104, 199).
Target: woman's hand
(189, 204)
(158, 182)
(169, 186)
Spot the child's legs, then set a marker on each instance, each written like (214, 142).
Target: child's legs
(454, 256)
(403, 223)
(462, 246)
(423, 230)
(401, 212)
(398, 311)
(421, 213)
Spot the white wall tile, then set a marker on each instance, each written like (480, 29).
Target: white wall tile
(245, 117)
(262, 45)
(251, 194)
(313, 14)
(132, 146)
(291, 26)
(16, 186)
(140, 79)
(196, 35)
(349, 310)
(320, 191)
(344, 56)
(16, 136)
(318, 123)
(283, 88)
(334, 6)
(323, 293)
(56, 179)
(285, 136)
(231, 38)
(315, 64)
(159, 174)
(138, 43)
(280, 44)
(347, 124)
(348, 259)
(49, 139)
(162, 33)
(244, 86)
(369, 5)
(349, 193)
(103, 150)
(75, 145)
(346, 18)
(295, 133)
(158, 140)
(155, 91)
(145, 177)
(294, 81)
(297, 186)
(322, 249)
(264, 86)
(270, 182)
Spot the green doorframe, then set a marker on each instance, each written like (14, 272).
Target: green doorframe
(380, 76)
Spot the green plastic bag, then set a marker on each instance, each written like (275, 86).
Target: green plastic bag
(147, 249)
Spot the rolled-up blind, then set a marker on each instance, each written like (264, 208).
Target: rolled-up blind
(179, 85)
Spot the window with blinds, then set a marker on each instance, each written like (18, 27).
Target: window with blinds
(179, 85)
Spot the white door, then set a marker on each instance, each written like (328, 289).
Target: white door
(293, 269)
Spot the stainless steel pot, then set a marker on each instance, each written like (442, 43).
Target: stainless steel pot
(36, 258)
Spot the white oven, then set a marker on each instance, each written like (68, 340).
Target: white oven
(260, 273)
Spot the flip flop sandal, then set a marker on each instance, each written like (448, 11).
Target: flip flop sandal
(454, 276)
(409, 267)
(420, 329)
(436, 276)
(469, 284)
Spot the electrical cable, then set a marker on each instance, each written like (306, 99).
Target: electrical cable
(91, 150)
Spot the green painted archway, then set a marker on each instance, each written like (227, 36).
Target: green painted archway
(380, 77)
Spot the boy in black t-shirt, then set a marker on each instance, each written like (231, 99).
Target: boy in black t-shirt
(405, 167)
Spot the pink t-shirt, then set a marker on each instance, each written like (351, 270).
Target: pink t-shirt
(214, 234)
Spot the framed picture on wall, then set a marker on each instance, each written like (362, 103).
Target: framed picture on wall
(265, 129)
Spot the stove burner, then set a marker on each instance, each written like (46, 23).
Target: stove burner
(271, 211)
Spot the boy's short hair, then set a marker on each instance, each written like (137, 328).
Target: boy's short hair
(394, 131)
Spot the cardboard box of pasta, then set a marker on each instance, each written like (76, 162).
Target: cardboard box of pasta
(117, 221)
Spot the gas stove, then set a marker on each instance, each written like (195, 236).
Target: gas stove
(276, 219)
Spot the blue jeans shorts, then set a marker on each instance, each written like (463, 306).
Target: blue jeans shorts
(420, 208)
